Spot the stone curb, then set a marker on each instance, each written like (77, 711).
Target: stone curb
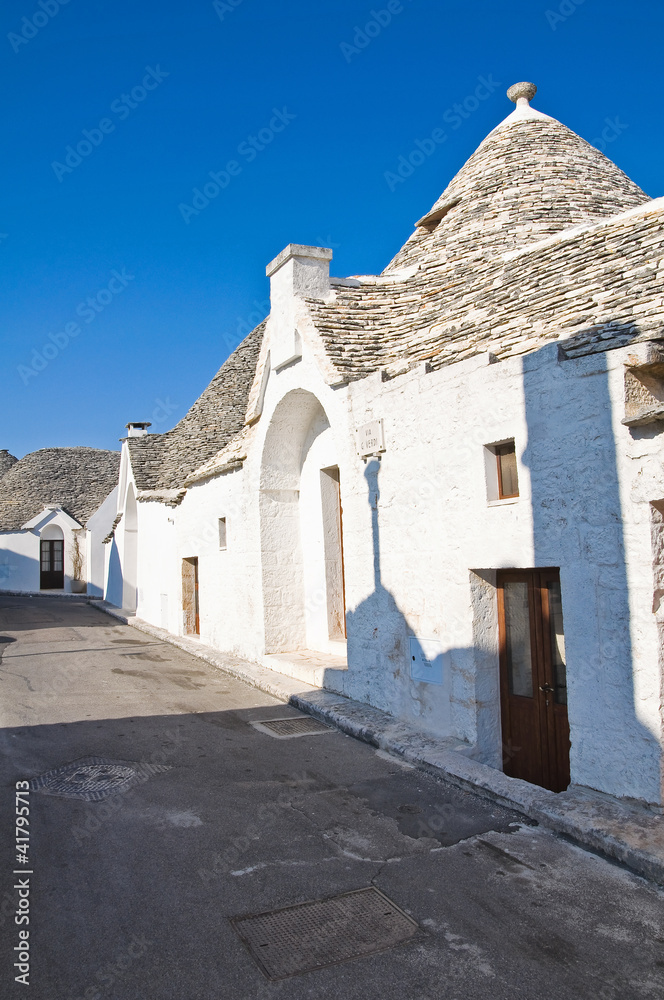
(631, 835)
(87, 598)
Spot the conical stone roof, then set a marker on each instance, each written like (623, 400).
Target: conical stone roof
(538, 238)
(530, 177)
(76, 479)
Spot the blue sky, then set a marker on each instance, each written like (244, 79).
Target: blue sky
(126, 300)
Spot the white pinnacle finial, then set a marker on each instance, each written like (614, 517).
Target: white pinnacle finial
(522, 94)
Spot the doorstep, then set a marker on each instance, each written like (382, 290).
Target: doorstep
(308, 665)
(628, 833)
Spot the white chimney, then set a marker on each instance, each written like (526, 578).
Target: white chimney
(138, 429)
(298, 272)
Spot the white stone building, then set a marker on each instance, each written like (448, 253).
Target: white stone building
(439, 490)
(56, 507)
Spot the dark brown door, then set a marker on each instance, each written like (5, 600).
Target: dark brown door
(51, 564)
(191, 619)
(533, 681)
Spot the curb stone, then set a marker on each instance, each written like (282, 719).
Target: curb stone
(86, 598)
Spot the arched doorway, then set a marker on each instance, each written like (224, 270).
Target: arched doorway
(301, 529)
(130, 552)
(52, 558)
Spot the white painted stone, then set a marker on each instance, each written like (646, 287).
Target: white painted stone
(421, 560)
(424, 533)
(20, 550)
(298, 272)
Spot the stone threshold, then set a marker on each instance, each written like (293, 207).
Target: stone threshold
(626, 832)
(309, 665)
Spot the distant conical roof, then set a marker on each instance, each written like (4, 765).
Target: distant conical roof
(530, 177)
(6, 461)
(76, 479)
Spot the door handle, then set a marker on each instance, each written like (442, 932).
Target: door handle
(547, 689)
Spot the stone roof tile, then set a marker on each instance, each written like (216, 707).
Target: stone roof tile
(76, 479)
(581, 283)
(6, 461)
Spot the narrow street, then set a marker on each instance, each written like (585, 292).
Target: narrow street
(132, 893)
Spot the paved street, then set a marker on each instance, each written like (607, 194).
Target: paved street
(132, 895)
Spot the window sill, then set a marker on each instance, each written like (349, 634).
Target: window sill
(502, 503)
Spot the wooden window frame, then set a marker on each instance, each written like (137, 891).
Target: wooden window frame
(499, 450)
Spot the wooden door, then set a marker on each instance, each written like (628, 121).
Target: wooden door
(51, 564)
(533, 682)
(190, 612)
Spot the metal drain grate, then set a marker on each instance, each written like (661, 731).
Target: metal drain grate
(94, 778)
(318, 934)
(287, 728)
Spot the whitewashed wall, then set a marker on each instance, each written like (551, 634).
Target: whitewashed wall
(441, 540)
(229, 581)
(20, 550)
(421, 558)
(158, 579)
(19, 561)
(98, 527)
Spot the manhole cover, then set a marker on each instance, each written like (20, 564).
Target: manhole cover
(321, 933)
(94, 778)
(285, 729)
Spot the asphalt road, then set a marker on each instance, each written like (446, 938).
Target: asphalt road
(132, 896)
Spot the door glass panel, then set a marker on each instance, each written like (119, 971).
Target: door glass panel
(57, 556)
(558, 661)
(517, 638)
(507, 474)
(45, 557)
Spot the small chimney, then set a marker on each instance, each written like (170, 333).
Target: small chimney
(298, 272)
(138, 429)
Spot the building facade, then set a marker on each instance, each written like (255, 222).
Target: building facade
(56, 507)
(439, 490)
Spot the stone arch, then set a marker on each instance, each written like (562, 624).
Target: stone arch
(299, 439)
(52, 532)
